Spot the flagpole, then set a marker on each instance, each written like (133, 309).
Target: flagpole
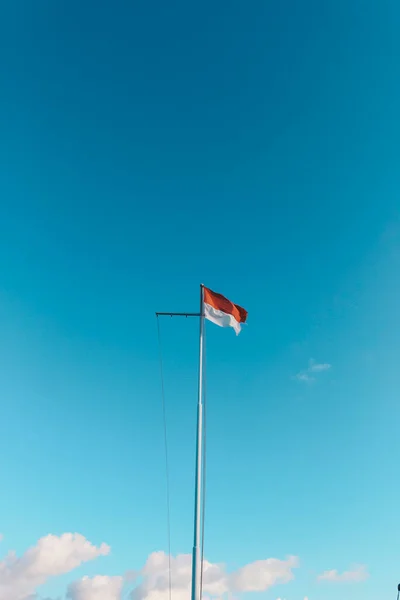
(196, 567)
(225, 314)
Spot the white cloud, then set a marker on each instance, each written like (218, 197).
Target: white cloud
(100, 587)
(254, 577)
(313, 367)
(262, 574)
(358, 573)
(52, 556)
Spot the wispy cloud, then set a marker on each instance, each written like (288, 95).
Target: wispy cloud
(304, 376)
(354, 575)
(315, 367)
(308, 375)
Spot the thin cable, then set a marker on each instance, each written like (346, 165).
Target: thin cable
(166, 457)
(204, 463)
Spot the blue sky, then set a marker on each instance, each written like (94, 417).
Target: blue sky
(147, 147)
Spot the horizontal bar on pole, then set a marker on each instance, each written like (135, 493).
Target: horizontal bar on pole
(172, 314)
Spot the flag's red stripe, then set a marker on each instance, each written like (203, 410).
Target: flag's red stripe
(219, 302)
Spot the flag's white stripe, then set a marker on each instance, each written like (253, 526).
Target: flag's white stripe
(221, 318)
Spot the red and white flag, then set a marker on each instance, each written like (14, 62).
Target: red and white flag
(222, 311)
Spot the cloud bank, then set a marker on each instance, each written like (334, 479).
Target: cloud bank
(258, 576)
(21, 577)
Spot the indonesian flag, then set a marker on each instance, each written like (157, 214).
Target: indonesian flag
(222, 311)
